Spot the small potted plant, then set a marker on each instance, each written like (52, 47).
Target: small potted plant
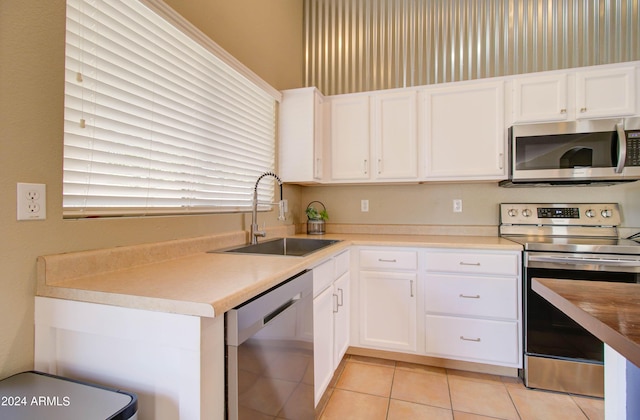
(316, 219)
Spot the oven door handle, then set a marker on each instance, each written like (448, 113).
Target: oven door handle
(577, 261)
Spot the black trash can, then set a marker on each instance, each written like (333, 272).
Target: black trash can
(35, 395)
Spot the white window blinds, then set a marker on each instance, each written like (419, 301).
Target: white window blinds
(155, 121)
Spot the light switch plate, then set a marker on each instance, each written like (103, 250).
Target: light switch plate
(31, 201)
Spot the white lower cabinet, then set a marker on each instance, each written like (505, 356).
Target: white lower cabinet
(322, 342)
(471, 339)
(341, 317)
(388, 299)
(388, 310)
(473, 306)
(331, 318)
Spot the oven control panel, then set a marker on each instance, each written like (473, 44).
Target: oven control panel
(579, 214)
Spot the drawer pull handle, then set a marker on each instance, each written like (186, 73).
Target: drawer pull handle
(389, 261)
(477, 340)
(469, 296)
(466, 263)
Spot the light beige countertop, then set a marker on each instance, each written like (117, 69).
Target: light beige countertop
(181, 277)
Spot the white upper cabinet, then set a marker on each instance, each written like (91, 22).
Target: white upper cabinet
(451, 132)
(374, 137)
(572, 95)
(605, 93)
(463, 131)
(540, 98)
(301, 139)
(350, 127)
(395, 136)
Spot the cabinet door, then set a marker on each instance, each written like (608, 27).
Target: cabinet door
(605, 93)
(323, 307)
(350, 156)
(342, 291)
(540, 98)
(388, 310)
(464, 132)
(395, 134)
(301, 128)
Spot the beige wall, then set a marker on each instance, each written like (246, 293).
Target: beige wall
(432, 204)
(266, 35)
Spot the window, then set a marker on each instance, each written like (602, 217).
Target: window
(159, 119)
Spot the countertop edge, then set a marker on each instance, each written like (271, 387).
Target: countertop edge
(129, 301)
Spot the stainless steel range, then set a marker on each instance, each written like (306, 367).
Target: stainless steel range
(573, 242)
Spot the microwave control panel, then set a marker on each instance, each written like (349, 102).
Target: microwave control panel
(633, 148)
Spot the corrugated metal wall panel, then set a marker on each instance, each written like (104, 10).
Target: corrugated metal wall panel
(362, 45)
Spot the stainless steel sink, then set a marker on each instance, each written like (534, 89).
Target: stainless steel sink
(298, 247)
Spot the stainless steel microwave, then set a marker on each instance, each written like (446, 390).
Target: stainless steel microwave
(570, 153)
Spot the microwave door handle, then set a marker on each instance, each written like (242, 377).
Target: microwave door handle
(622, 147)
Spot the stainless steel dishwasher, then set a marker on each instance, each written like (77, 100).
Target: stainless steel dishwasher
(269, 353)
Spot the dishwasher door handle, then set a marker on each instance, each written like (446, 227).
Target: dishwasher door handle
(245, 320)
(281, 309)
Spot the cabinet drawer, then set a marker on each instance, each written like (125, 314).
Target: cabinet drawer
(323, 276)
(473, 262)
(342, 263)
(494, 297)
(389, 259)
(472, 339)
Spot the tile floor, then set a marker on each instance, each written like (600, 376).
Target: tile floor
(368, 388)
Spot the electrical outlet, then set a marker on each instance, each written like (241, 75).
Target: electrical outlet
(364, 205)
(457, 206)
(31, 201)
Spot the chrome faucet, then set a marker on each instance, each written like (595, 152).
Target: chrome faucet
(255, 232)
